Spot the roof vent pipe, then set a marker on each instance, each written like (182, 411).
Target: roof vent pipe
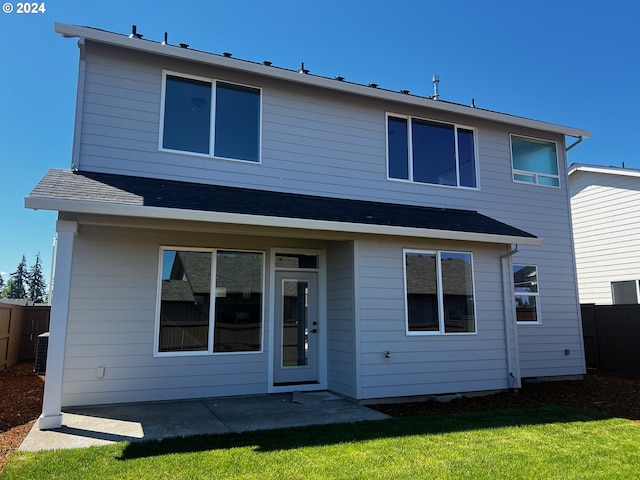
(436, 81)
(166, 36)
(134, 32)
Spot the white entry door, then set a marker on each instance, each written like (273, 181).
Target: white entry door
(296, 328)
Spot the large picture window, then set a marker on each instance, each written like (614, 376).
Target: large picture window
(439, 292)
(210, 117)
(534, 161)
(525, 280)
(210, 301)
(426, 151)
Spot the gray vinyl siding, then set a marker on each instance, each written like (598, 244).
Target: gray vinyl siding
(341, 338)
(427, 364)
(333, 144)
(112, 322)
(607, 232)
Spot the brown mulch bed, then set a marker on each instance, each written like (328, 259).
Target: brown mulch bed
(613, 394)
(609, 393)
(20, 405)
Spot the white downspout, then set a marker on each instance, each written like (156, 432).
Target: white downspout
(575, 144)
(510, 323)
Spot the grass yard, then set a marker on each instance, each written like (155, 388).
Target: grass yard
(541, 442)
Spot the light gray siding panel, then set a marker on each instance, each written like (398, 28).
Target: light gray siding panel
(341, 370)
(453, 360)
(112, 322)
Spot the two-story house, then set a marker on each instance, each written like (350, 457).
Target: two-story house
(230, 227)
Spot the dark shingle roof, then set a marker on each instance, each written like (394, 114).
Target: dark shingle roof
(151, 192)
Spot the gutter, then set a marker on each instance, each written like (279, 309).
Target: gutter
(575, 144)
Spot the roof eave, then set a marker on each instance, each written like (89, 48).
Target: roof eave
(73, 206)
(73, 31)
(603, 169)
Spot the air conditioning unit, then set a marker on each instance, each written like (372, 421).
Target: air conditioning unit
(41, 353)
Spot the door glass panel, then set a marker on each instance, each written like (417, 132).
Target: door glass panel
(295, 328)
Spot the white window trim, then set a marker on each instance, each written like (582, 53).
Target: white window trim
(212, 304)
(410, 151)
(531, 294)
(441, 330)
(212, 122)
(535, 175)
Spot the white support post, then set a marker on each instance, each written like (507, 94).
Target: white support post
(52, 402)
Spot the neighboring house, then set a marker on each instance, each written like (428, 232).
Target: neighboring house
(233, 228)
(605, 205)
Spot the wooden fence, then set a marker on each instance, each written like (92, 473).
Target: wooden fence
(20, 326)
(612, 337)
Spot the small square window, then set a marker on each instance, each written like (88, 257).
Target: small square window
(625, 292)
(534, 161)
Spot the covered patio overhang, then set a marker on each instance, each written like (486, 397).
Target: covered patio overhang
(150, 198)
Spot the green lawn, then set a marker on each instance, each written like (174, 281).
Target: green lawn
(544, 442)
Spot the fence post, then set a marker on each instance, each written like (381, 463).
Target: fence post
(590, 334)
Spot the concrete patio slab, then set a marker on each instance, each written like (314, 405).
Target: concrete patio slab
(107, 424)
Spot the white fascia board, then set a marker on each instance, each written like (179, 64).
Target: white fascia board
(72, 206)
(149, 46)
(625, 172)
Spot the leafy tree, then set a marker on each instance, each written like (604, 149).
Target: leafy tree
(35, 281)
(16, 286)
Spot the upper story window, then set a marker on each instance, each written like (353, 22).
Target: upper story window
(210, 117)
(534, 161)
(431, 152)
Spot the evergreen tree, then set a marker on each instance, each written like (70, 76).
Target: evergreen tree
(35, 281)
(16, 286)
(2, 286)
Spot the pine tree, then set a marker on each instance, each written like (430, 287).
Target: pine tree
(1, 287)
(16, 286)
(35, 281)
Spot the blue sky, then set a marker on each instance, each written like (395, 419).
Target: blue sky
(569, 62)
